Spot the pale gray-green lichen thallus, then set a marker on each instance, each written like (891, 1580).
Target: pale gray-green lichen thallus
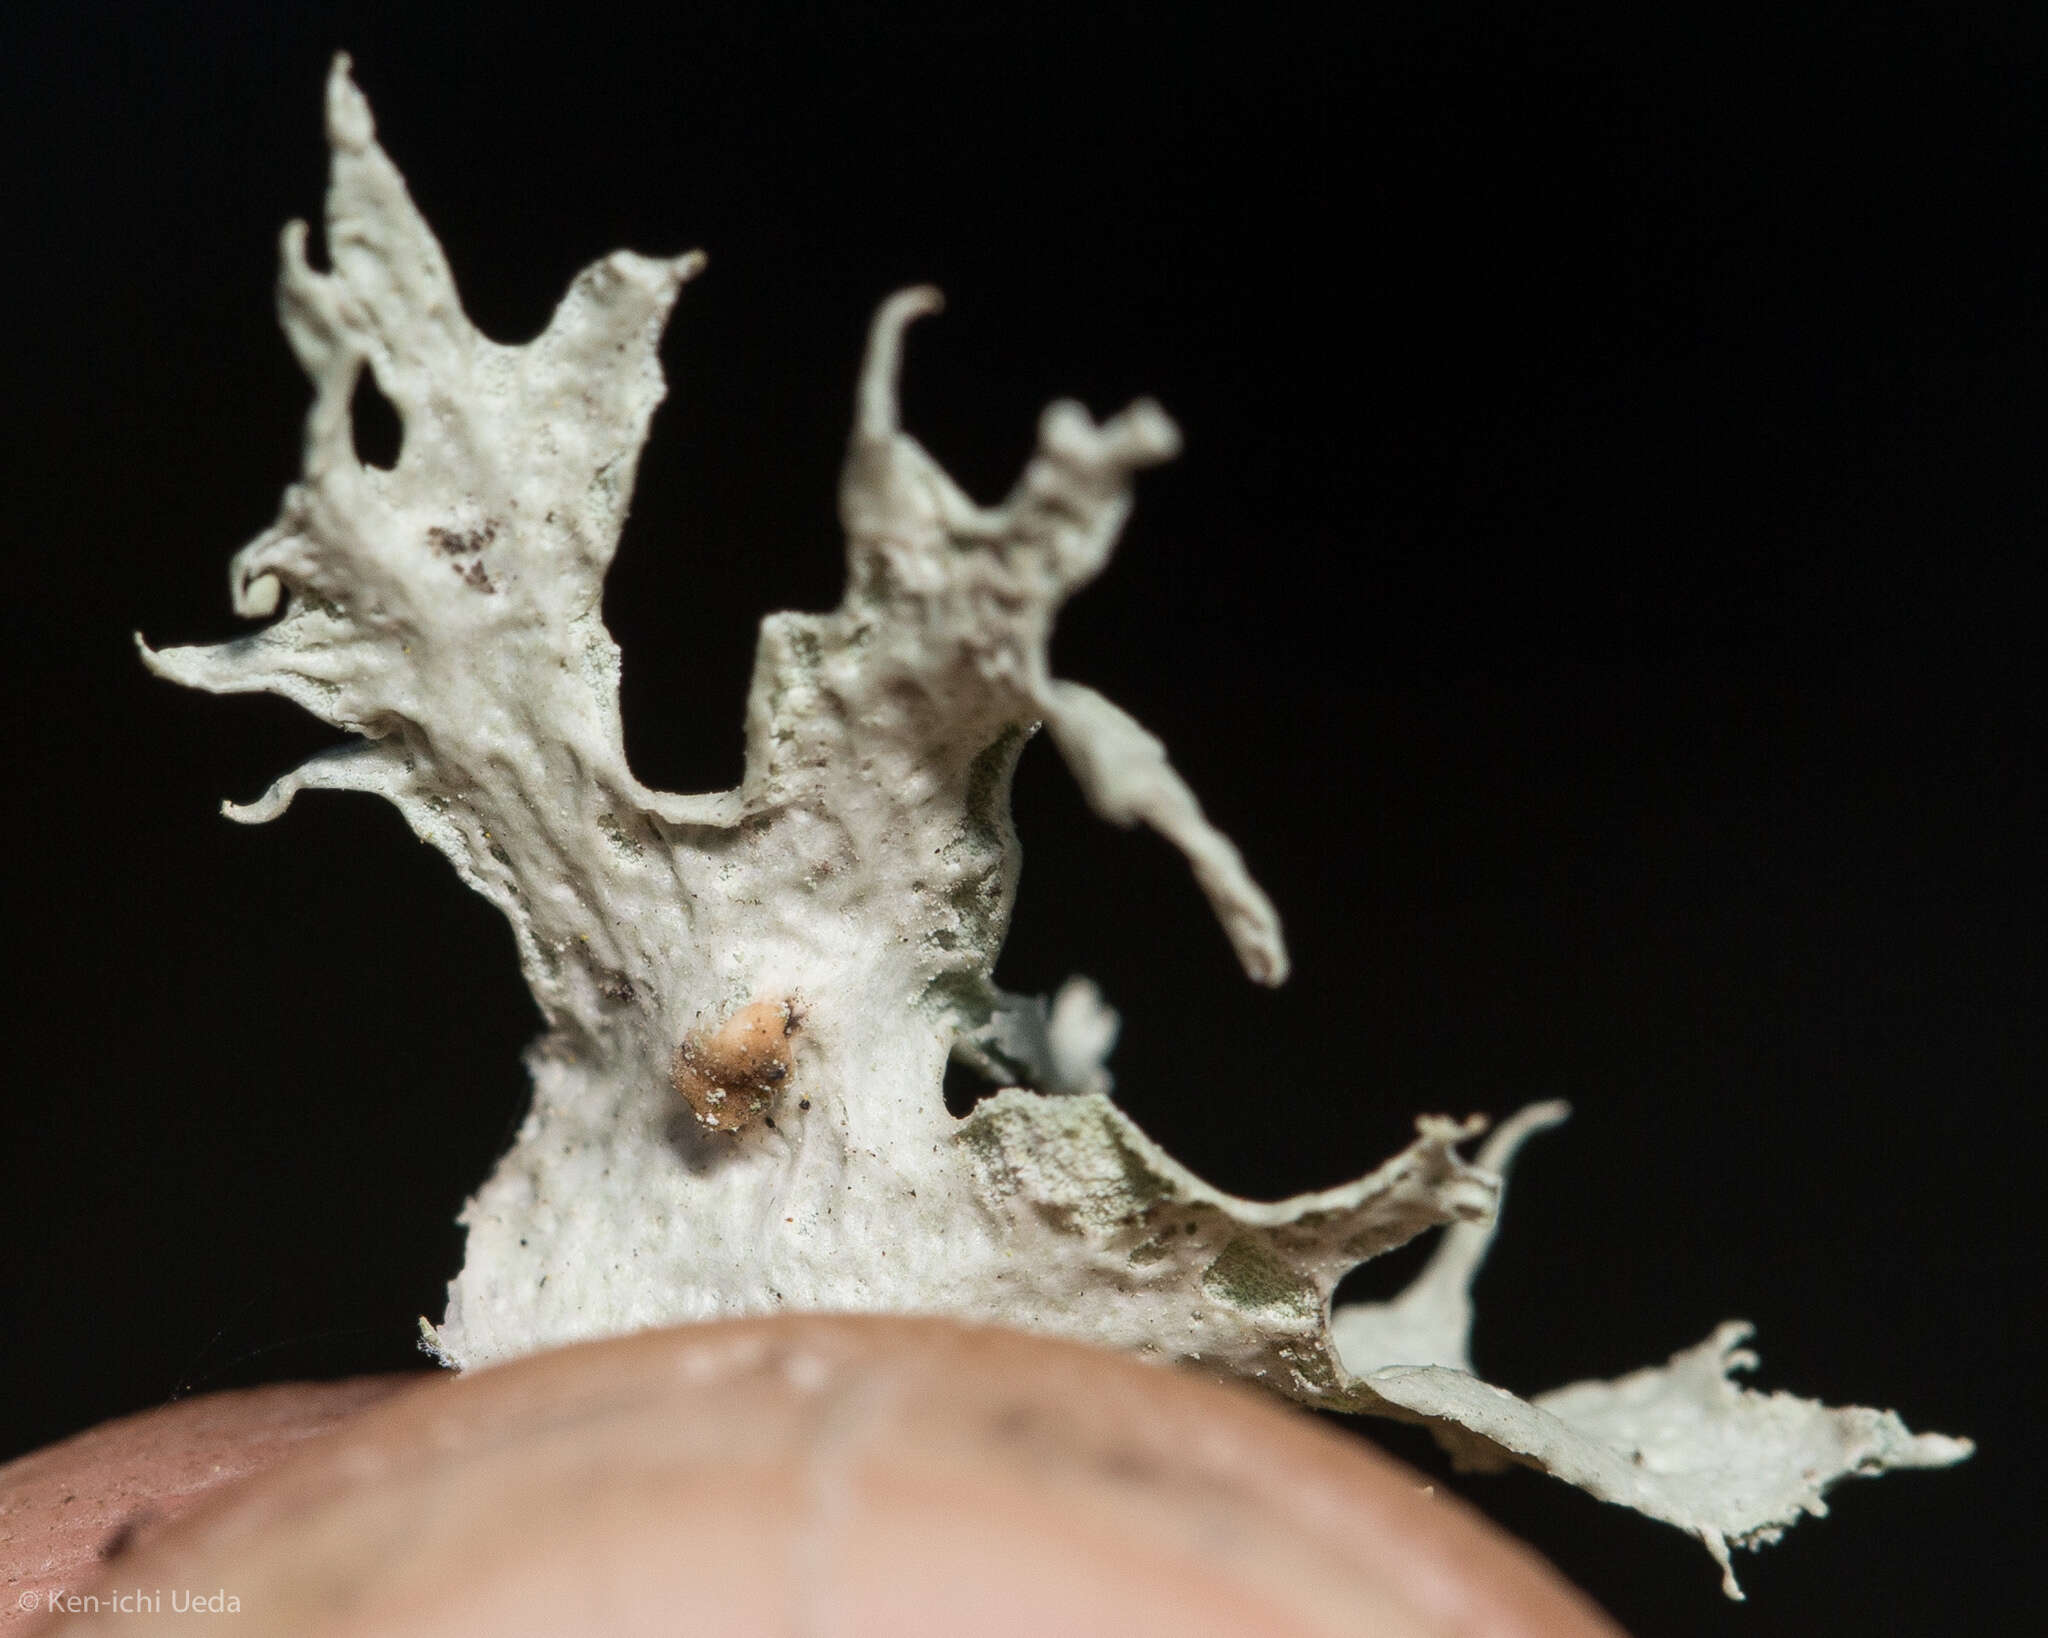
(681, 1160)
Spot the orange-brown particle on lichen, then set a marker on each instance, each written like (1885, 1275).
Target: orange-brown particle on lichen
(730, 1074)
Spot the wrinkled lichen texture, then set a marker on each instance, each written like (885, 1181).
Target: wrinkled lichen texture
(447, 611)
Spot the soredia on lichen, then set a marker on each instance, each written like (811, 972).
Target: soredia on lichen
(751, 995)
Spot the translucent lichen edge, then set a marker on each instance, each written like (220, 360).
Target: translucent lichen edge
(860, 880)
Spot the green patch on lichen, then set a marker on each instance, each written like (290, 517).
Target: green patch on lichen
(1071, 1155)
(977, 882)
(980, 1137)
(615, 834)
(982, 908)
(988, 787)
(1142, 1186)
(962, 998)
(1248, 1277)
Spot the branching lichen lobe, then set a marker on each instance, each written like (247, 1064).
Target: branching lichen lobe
(444, 610)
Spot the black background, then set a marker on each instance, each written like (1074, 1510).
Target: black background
(1597, 594)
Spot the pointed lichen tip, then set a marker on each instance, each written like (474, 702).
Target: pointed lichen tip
(1940, 1450)
(261, 811)
(884, 362)
(670, 274)
(350, 127)
(916, 301)
(1717, 1545)
(1508, 1137)
(152, 661)
(1154, 435)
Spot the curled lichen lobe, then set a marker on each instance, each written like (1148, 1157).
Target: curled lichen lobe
(731, 1073)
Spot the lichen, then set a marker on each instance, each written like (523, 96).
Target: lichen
(687, 1155)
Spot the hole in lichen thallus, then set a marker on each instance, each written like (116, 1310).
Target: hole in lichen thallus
(373, 423)
(1389, 1274)
(965, 1087)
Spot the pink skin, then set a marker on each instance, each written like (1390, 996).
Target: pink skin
(806, 1476)
(64, 1507)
